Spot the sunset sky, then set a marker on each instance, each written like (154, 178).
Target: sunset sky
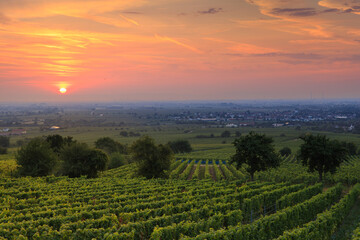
(130, 50)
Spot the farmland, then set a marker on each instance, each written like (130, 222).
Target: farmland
(117, 206)
(205, 197)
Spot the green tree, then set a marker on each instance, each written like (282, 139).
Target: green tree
(78, 159)
(350, 147)
(4, 141)
(225, 134)
(180, 146)
(3, 150)
(109, 145)
(256, 151)
(36, 158)
(285, 151)
(321, 154)
(153, 160)
(57, 142)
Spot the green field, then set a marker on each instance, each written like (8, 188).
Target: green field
(117, 206)
(204, 198)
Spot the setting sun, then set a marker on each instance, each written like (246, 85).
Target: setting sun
(62, 90)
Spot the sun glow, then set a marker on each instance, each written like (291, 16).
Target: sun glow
(62, 90)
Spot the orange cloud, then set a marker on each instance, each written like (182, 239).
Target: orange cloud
(346, 6)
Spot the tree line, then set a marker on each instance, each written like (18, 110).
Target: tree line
(58, 155)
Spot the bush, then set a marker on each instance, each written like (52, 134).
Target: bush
(225, 134)
(116, 160)
(109, 145)
(180, 146)
(36, 158)
(78, 159)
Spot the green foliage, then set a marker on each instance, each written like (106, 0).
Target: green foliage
(326, 222)
(57, 142)
(285, 151)
(225, 134)
(3, 150)
(36, 158)
(180, 146)
(4, 141)
(78, 159)
(321, 154)
(110, 146)
(116, 160)
(153, 160)
(350, 147)
(256, 151)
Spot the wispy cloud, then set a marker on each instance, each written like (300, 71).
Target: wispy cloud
(165, 38)
(211, 11)
(346, 6)
(130, 20)
(296, 12)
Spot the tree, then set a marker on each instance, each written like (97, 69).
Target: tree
(57, 142)
(4, 141)
(256, 151)
(78, 159)
(180, 146)
(225, 134)
(285, 151)
(109, 145)
(153, 160)
(350, 147)
(237, 134)
(321, 154)
(4, 144)
(36, 158)
(3, 150)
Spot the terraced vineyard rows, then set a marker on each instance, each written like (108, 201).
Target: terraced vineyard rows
(188, 168)
(290, 170)
(116, 206)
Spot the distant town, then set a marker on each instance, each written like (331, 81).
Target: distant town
(329, 116)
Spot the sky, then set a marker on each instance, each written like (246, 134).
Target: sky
(159, 50)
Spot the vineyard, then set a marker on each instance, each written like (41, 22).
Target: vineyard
(289, 171)
(118, 206)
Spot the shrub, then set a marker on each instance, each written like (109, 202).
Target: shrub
(36, 158)
(116, 160)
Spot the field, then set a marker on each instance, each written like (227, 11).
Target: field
(117, 206)
(205, 197)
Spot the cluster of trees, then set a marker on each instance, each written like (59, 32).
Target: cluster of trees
(4, 144)
(318, 153)
(59, 155)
